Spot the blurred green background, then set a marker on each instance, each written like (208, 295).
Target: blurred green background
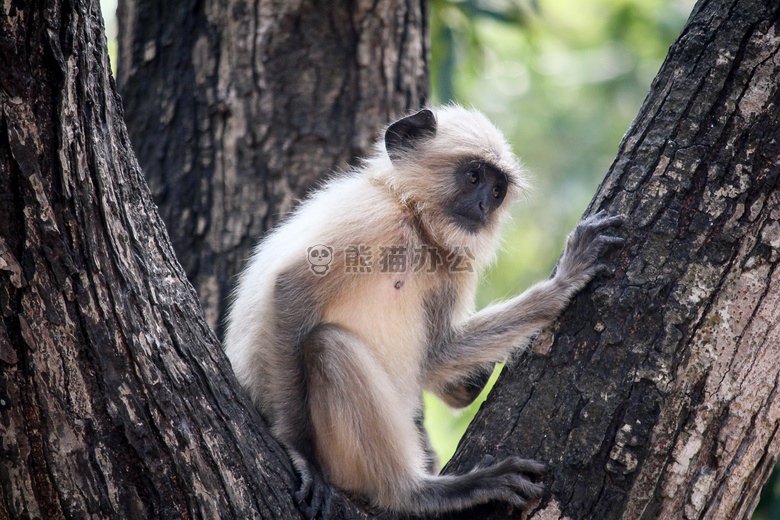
(563, 79)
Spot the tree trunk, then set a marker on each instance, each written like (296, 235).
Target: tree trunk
(116, 400)
(654, 398)
(236, 109)
(656, 395)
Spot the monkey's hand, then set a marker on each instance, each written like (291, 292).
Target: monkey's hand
(585, 245)
(316, 496)
(508, 479)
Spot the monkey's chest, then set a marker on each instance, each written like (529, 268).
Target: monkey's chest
(386, 311)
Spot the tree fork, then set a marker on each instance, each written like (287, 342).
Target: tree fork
(654, 397)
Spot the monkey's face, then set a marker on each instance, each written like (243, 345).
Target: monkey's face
(457, 173)
(479, 190)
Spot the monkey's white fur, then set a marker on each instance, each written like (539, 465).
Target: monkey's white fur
(368, 344)
(376, 199)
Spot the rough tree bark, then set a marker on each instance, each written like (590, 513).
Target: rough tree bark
(656, 396)
(236, 108)
(115, 398)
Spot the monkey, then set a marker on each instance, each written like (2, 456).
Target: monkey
(336, 358)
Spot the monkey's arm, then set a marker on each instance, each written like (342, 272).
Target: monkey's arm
(491, 334)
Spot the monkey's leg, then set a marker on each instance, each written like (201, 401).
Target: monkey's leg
(364, 429)
(294, 428)
(368, 442)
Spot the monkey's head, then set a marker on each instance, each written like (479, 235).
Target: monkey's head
(457, 174)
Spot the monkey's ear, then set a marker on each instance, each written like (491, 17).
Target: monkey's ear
(404, 133)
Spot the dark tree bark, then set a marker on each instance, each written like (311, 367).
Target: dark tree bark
(236, 108)
(656, 396)
(115, 398)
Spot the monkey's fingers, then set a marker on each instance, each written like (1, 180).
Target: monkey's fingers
(318, 493)
(306, 482)
(323, 503)
(532, 467)
(486, 462)
(517, 488)
(524, 489)
(312, 508)
(601, 221)
(604, 241)
(527, 488)
(594, 228)
(316, 497)
(529, 466)
(587, 239)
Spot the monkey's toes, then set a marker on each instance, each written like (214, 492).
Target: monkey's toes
(529, 466)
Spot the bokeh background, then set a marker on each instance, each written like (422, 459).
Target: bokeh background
(563, 79)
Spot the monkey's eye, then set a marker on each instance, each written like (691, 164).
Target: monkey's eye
(497, 192)
(472, 176)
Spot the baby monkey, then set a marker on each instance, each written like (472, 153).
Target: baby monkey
(364, 297)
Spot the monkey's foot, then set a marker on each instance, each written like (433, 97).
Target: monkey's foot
(510, 479)
(316, 496)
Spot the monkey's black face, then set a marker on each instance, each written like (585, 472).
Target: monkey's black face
(481, 189)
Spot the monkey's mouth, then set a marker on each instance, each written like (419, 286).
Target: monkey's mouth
(470, 222)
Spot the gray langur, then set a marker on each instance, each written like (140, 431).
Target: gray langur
(364, 297)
